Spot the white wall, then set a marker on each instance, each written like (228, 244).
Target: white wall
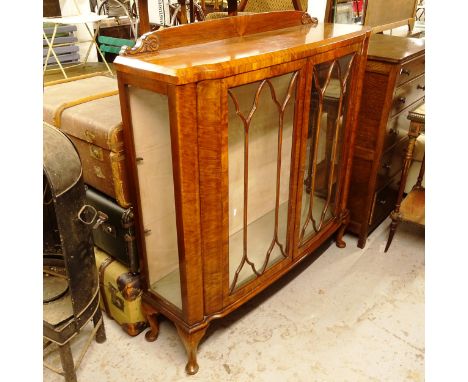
(316, 8)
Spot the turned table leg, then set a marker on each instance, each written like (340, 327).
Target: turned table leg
(191, 341)
(151, 315)
(395, 215)
(418, 184)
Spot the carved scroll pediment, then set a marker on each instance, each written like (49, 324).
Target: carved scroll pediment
(147, 43)
(308, 19)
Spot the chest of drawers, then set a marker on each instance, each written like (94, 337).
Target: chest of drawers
(393, 85)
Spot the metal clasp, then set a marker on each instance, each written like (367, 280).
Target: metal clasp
(101, 216)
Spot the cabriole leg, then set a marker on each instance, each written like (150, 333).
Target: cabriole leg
(191, 341)
(340, 243)
(151, 315)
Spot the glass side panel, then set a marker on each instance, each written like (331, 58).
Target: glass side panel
(151, 133)
(260, 128)
(348, 11)
(324, 145)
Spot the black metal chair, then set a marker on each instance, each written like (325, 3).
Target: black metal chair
(71, 287)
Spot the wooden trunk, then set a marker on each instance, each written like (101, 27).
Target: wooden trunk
(393, 86)
(239, 134)
(87, 109)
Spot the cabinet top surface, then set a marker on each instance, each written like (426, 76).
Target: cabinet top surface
(394, 48)
(219, 48)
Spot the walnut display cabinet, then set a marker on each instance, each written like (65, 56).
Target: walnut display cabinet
(393, 85)
(238, 134)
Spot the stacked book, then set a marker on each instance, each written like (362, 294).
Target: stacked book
(63, 44)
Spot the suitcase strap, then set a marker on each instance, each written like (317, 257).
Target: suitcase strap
(79, 101)
(102, 269)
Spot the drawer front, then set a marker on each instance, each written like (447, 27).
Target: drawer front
(398, 127)
(391, 161)
(410, 70)
(407, 94)
(383, 203)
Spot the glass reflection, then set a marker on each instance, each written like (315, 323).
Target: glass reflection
(349, 11)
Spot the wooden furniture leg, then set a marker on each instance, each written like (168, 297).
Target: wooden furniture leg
(395, 215)
(182, 12)
(191, 341)
(152, 316)
(68, 366)
(232, 7)
(418, 184)
(191, 11)
(143, 16)
(101, 332)
(313, 121)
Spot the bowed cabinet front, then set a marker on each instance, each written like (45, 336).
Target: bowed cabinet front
(240, 164)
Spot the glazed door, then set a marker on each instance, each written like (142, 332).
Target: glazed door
(325, 150)
(150, 121)
(263, 115)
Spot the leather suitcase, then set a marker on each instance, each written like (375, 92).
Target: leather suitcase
(87, 109)
(116, 234)
(120, 293)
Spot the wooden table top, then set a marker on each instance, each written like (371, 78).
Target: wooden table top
(394, 48)
(229, 46)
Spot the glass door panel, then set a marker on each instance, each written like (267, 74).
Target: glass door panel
(260, 133)
(151, 134)
(324, 145)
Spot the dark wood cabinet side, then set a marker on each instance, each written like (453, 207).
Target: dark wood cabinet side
(393, 85)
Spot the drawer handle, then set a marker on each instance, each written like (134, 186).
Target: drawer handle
(393, 131)
(422, 87)
(382, 201)
(402, 99)
(405, 71)
(387, 166)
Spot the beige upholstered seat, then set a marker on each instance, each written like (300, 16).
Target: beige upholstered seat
(258, 6)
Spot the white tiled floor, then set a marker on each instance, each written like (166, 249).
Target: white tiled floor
(351, 315)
